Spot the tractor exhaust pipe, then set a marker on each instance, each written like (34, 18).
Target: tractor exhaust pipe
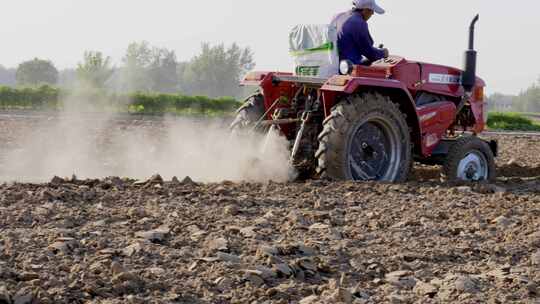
(468, 78)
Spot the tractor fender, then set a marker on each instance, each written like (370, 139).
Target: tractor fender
(435, 119)
(396, 90)
(349, 84)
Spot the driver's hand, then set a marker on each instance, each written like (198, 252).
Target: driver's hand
(386, 53)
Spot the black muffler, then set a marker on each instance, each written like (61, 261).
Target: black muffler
(468, 77)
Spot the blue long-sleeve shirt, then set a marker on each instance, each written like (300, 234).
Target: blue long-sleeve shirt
(354, 39)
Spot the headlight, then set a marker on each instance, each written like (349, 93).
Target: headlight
(346, 67)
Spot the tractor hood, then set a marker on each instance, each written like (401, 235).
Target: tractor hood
(416, 76)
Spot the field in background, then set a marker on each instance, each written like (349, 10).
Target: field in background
(51, 98)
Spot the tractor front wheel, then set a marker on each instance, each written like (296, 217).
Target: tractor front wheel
(366, 137)
(469, 159)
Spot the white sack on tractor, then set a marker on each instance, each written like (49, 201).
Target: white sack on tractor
(314, 49)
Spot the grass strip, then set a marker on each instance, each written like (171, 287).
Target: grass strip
(511, 122)
(51, 98)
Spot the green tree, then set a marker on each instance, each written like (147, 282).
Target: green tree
(136, 62)
(95, 70)
(216, 71)
(36, 72)
(149, 68)
(530, 99)
(163, 71)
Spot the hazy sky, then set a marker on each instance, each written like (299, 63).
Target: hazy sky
(427, 30)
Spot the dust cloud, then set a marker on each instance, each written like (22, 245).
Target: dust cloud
(109, 145)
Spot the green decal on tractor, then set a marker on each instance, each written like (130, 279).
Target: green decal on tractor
(307, 70)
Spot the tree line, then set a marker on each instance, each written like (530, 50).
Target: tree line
(214, 72)
(526, 101)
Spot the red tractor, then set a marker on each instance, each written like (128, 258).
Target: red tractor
(373, 122)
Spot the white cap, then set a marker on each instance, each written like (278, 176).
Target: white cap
(360, 4)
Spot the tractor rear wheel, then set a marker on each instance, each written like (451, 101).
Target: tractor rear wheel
(469, 159)
(366, 137)
(249, 114)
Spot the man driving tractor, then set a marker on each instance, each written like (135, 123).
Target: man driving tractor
(354, 40)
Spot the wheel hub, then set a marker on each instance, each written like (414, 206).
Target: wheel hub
(371, 151)
(368, 151)
(473, 167)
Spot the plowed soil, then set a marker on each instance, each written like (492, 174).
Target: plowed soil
(119, 240)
